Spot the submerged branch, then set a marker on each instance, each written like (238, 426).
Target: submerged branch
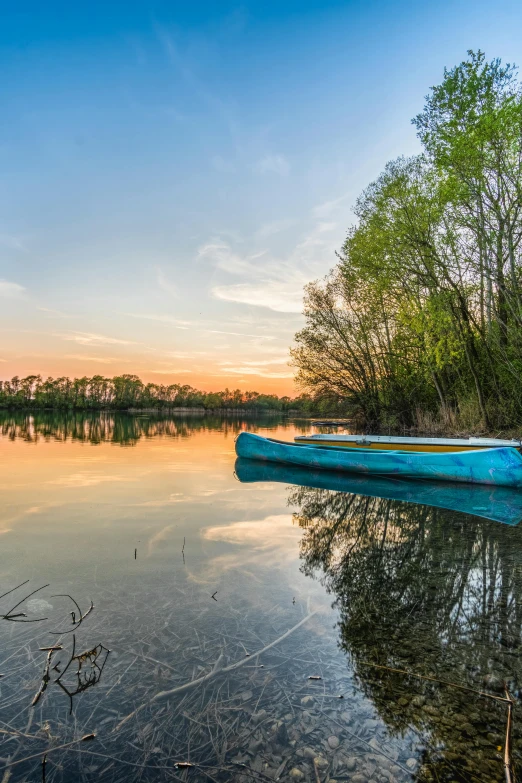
(217, 669)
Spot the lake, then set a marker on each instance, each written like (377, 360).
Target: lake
(219, 622)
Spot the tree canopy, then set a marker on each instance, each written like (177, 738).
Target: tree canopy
(421, 318)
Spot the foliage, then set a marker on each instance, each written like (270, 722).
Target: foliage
(423, 312)
(124, 392)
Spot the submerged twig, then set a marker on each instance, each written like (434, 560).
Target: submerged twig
(84, 681)
(508, 769)
(76, 622)
(440, 682)
(200, 680)
(92, 677)
(14, 617)
(45, 680)
(45, 752)
(14, 588)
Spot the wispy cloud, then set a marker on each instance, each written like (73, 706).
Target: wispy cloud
(238, 334)
(186, 354)
(272, 164)
(326, 226)
(271, 282)
(12, 242)
(54, 313)
(88, 338)
(171, 371)
(260, 363)
(195, 326)
(98, 359)
(242, 370)
(269, 294)
(277, 285)
(11, 290)
(222, 256)
(185, 67)
(275, 227)
(164, 283)
(325, 209)
(178, 323)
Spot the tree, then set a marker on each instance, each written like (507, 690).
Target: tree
(423, 312)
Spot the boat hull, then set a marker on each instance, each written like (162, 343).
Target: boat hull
(500, 504)
(499, 467)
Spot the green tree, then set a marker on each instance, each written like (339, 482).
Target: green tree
(423, 312)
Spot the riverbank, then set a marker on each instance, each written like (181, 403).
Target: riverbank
(185, 411)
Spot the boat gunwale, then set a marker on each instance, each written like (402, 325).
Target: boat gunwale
(387, 452)
(479, 443)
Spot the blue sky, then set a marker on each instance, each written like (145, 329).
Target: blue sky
(174, 173)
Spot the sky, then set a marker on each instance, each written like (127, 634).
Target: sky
(173, 173)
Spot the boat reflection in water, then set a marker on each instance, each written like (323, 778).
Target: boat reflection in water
(500, 504)
(422, 592)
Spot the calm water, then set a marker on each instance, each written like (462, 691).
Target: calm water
(192, 569)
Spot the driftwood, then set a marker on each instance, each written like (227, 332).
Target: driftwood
(217, 669)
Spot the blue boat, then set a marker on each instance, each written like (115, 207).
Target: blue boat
(501, 467)
(500, 504)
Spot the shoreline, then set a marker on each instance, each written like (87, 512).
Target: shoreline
(170, 411)
(438, 430)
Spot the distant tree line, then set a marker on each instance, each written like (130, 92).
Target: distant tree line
(124, 392)
(420, 322)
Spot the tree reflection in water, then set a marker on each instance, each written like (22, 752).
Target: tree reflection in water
(434, 593)
(124, 428)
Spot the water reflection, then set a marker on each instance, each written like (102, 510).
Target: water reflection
(501, 504)
(122, 428)
(190, 569)
(432, 593)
